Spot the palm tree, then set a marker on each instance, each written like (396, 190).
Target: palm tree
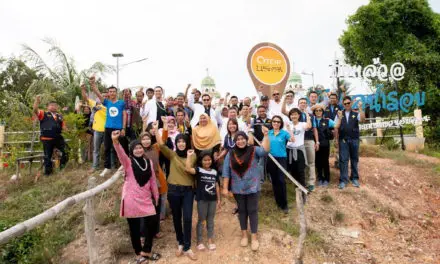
(62, 81)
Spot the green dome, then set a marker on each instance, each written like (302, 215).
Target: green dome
(295, 78)
(208, 81)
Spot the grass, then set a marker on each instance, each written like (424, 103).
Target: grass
(26, 199)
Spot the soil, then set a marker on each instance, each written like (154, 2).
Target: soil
(392, 218)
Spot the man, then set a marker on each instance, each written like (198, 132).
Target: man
(232, 113)
(116, 120)
(234, 102)
(197, 95)
(347, 123)
(331, 111)
(51, 126)
(137, 119)
(150, 93)
(200, 109)
(313, 98)
(182, 121)
(154, 109)
(288, 103)
(181, 105)
(265, 102)
(275, 103)
(257, 124)
(99, 115)
(130, 107)
(245, 115)
(311, 143)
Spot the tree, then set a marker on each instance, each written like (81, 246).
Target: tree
(62, 80)
(405, 31)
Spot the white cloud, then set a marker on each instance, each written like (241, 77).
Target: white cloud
(182, 38)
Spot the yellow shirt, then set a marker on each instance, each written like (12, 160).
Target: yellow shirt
(99, 117)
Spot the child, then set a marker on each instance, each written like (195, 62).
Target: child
(207, 195)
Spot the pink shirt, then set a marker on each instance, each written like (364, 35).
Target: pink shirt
(136, 200)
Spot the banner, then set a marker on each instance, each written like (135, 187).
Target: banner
(268, 67)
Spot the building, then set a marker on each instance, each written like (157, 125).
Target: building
(208, 86)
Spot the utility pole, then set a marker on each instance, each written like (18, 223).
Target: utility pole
(117, 56)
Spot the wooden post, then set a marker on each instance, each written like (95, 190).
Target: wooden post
(34, 124)
(418, 123)
(302, 227)
(89, 224)
(2, 142)
(379, 131)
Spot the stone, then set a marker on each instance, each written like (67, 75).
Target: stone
(348, 232)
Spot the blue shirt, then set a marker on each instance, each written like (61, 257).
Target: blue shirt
(250, 182)
(114, 113)
(278, 143)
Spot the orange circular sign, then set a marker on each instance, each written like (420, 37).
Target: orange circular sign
(269, 65)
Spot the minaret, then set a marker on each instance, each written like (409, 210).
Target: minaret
(208, 86)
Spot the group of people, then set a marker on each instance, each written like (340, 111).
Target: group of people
(187, 148)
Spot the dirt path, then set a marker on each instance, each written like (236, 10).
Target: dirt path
(393, 218)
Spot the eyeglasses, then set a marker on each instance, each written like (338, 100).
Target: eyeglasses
(276, 122)
(205, 100)
(318, 110)
(275, 94)
(347, 103)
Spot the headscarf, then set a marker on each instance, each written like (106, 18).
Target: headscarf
(141, 176)
(241, 158)
(206, 137)
(182, 153)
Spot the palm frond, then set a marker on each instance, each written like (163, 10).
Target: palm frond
(38, 63)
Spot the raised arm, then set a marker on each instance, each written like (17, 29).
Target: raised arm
(84, 94)
(283, 108)
(338, 120)
(36, 103)
(188, 164)
(266, 143)
(309, 122)
(95, 89)
(186, 90)
(361, 112)
(123, 158)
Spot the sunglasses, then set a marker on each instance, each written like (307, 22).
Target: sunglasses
(276, 121)
(318, 110)
(275, 94)
(347, 103)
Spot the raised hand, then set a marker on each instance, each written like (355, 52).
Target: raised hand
(92, 79)
(339, 114)
(228, 93)
(190, 152)
(38, 99)
(116, 134)
(155, 125)
(360, 105)
(265, 130)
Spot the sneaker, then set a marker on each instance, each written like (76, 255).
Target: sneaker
(355, 183)
(190, 254)
(212, 247)
(255, 245)
(105, 172)
(244, 242)
(179, 251)
(320, 183)
(311, 188)
(325, 184)
(201, 247)
(341, 185)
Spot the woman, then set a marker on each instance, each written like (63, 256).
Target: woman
(206, 135)
(180, 191)
(172, 131)
(241, 169)
(278, 140)
(151, 152)
(228, 143)
(325, 134)
(139, 197)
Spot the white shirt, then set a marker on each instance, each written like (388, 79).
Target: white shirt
(275, 108)
(150, 110)
(298, 133)
(224, 129)
(200, 109)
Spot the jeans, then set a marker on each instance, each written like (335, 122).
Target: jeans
(348, 149)
(108, 147)
(181, 200)
(206, 212)
(248, 208)
(278, 181)
(98, 139)
(322, 164)
(310, 152)
(48, 146)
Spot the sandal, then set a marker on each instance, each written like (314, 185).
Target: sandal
(141, 260)
(154, 256)
(201, 247)
(212, 247)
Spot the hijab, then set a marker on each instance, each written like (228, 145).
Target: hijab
(182, 153)
(143, 175)
(241, 158)
(206, 137)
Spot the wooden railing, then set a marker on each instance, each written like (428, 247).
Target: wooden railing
(89, 215)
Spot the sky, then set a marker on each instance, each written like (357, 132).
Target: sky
(181, 39)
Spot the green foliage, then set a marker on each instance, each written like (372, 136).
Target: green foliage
(400, 31)
(75, 124)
